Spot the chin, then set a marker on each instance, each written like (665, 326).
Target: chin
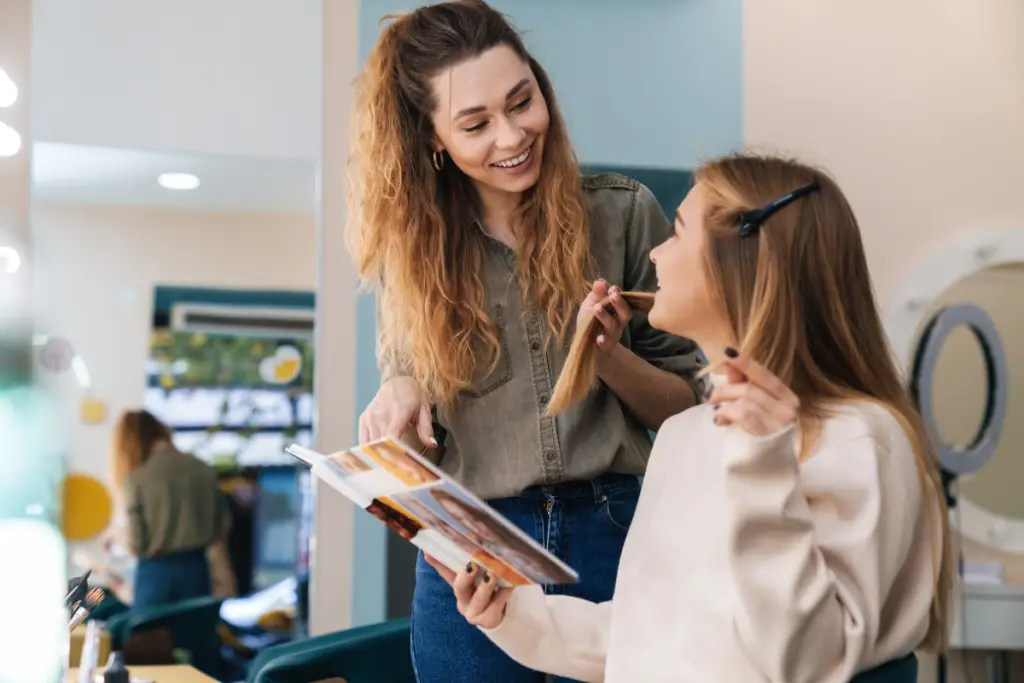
(662, 319)
(654, 317)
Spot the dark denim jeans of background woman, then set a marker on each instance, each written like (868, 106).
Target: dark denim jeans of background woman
(583, 523)
(171, 578)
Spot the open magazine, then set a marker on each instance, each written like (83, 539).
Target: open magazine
(433, 512)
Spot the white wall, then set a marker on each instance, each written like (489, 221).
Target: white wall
(235, 77)
(94, 286)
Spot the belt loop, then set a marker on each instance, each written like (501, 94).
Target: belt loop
(595, 484)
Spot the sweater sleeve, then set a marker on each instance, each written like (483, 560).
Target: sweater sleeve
(813, 572)
(556, 634)
(138, 530)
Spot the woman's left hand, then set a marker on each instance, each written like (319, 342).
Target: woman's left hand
(754, 399)
(600, 296)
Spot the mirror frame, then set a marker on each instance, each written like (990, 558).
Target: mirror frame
(904, 316)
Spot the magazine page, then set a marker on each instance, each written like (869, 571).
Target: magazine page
(429, 509)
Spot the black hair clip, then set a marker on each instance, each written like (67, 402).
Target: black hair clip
(751, 220)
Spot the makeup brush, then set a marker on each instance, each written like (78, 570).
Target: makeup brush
(92, 600)
(77, 588)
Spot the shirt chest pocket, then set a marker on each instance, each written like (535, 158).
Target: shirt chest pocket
(488, 377)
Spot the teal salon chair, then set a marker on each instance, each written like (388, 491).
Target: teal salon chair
(367, 654)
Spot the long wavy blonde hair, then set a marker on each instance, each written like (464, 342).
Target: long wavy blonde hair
(411, 228)
(799, 299)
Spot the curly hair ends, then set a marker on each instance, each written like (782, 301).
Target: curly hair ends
(579, 374)
(412, 229)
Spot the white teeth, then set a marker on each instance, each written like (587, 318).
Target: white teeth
(512, 163)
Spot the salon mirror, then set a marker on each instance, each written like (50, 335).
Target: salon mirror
(957, 326)
(961, 388)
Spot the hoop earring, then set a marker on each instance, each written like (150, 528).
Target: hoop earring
(438, 158)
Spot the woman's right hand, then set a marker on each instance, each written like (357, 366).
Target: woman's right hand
(399, 404)
(483, 602)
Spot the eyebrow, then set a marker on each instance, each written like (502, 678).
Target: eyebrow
(513, 91)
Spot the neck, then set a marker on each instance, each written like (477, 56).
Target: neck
(714, 341)
(499, 208)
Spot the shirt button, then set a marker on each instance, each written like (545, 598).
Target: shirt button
(535, 346)
(549, 456)
(543, 400)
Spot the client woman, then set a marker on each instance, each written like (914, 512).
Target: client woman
(794, 528)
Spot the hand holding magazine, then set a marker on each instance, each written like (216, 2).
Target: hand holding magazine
(433, 512)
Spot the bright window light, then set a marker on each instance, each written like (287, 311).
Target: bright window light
(8, 90)
(178, 181)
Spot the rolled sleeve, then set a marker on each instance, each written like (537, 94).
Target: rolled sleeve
(648, 227)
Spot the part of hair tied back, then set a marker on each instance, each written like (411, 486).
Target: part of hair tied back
(579, 375)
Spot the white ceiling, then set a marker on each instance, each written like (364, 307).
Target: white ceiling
(79, 174)
(123, 90)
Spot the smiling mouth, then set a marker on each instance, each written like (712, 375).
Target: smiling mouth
(517, 161)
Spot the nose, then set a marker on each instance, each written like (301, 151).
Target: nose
(653, 255)
(510, 135)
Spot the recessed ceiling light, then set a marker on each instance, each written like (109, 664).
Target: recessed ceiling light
(178, 181)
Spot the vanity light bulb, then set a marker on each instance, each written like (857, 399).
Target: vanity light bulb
(8, 90)
(10, 260)
(10, 141)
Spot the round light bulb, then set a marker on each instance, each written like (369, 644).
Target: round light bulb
(10, 260)
(178, 181)
(10, 141)
(8, 90)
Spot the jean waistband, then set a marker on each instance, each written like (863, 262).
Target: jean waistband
(177, 556)
(595, 489)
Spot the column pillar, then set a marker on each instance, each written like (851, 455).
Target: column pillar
(333, 537)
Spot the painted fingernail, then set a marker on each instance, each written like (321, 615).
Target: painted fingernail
(487, 577)
(731, 352)
(469, 568)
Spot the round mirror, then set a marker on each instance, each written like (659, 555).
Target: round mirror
(957, 325)
(964, 364)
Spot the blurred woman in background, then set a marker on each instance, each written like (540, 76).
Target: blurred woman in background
(174, 507)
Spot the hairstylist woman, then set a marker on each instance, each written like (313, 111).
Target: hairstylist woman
(793, 530)
(474, 225)
(175, 509)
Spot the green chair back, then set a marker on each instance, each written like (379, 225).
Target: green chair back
(192, 624)
(903, 670)
(367, 654)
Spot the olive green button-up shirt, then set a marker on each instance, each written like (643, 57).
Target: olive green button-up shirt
(498, 439)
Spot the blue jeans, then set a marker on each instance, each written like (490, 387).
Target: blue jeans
(582, 523)
(171, 578)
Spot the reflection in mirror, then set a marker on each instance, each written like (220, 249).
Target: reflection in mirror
(961, 388)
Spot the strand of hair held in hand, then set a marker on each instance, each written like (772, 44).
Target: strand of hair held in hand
(579, 375)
